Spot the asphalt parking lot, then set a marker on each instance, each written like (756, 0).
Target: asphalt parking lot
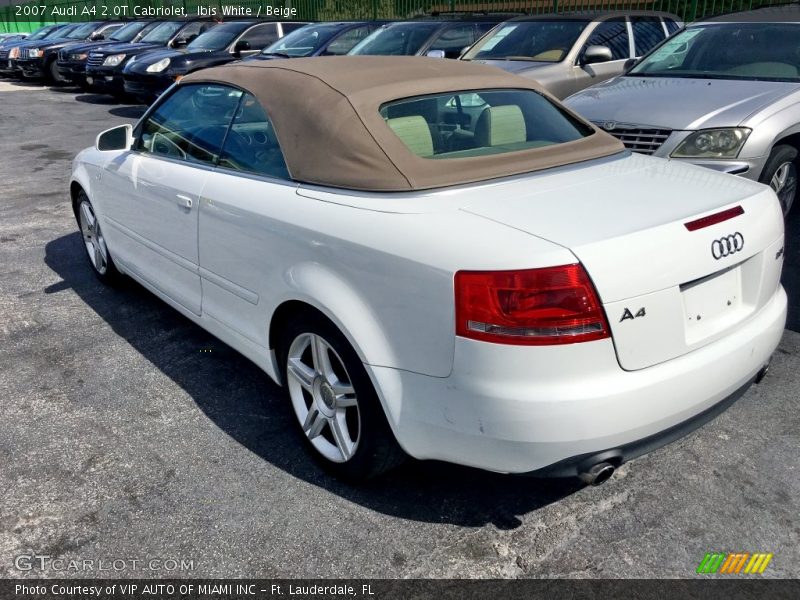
(129, 433)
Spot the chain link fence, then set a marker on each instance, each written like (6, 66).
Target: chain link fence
(31, 15)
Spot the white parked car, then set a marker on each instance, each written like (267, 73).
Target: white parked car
(438, 257)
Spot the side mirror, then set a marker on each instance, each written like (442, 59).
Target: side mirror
(436, 54)
(180, 42)
(629, 64)
(597, 54)
(96, 37)
(116, 138)
(241, 46)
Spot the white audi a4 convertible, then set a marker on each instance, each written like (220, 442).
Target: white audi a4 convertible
(436, 258)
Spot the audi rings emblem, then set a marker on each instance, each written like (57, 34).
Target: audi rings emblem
(730, 244)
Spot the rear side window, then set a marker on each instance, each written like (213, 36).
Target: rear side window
(647, 33)
(261, 36)
(672, 26)
(347, 40)
(190, 124)
(479, 123)
(454, 39)
(612, 34)
(251, 145)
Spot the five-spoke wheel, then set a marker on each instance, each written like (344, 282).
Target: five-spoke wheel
(94, 241)
(336, 406)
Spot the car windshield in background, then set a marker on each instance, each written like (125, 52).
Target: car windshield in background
(163, 32)
(754, 51)
(61, 32)
(401, 39)
(479, 123)
(128, 32)
(303, 42)
(82, 31)
(545, 41)
(218, 38)
(42, 33)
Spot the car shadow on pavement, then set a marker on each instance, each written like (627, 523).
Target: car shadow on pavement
(245, 404)
(129, 112)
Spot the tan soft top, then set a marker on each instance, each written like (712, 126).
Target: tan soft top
(325, 111)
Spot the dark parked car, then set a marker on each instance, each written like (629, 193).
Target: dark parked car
(71, 62)
(319, 39)
(6, 37)
(38, 60)
(104, 65)
(438, 37)
(152, 73)
(9, 50)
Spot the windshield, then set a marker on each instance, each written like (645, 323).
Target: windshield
(41, 33)
(61, 32)
(128, 32)
(82, 31)
(480, 122)
(400, 39)
(754, 51)
(218, 38)
(305, 41)
(545, 41)
(163, 32)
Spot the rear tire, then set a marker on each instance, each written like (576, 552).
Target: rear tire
(780, 173)
(338, 412)
(94, 242)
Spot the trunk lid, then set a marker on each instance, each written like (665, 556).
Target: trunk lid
(666, 290)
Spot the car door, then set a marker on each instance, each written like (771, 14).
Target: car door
(614, 35)
(243, 236)
(153, 192)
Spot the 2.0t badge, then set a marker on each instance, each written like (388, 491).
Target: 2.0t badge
(730, 244)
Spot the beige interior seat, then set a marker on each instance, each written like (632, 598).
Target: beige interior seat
(498, 125)
(414, 133)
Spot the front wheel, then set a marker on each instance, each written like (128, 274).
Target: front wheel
(54, 76)
(95, 242)
(337, 409)
(780, 173)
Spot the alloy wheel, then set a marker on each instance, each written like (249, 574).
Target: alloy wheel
(323, 397)
(784, 184)
(93, 238)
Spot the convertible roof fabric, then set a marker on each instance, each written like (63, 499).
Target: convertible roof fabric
(325, 111)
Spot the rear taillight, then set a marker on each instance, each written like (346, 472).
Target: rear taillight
(535, 307)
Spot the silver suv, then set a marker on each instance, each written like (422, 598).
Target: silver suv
(720, 94)
(569, 52)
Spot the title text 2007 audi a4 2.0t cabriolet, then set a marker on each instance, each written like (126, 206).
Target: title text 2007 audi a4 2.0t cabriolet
(438, 257)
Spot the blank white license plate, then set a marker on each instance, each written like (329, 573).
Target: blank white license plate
(712, 297)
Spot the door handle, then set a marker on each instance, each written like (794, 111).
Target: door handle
(184, 201)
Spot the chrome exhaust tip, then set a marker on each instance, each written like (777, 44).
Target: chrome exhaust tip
(597, 474)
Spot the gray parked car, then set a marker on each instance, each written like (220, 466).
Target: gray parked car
(720, 94)
(569, 52)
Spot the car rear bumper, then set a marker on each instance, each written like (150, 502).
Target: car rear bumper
(519, 409)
